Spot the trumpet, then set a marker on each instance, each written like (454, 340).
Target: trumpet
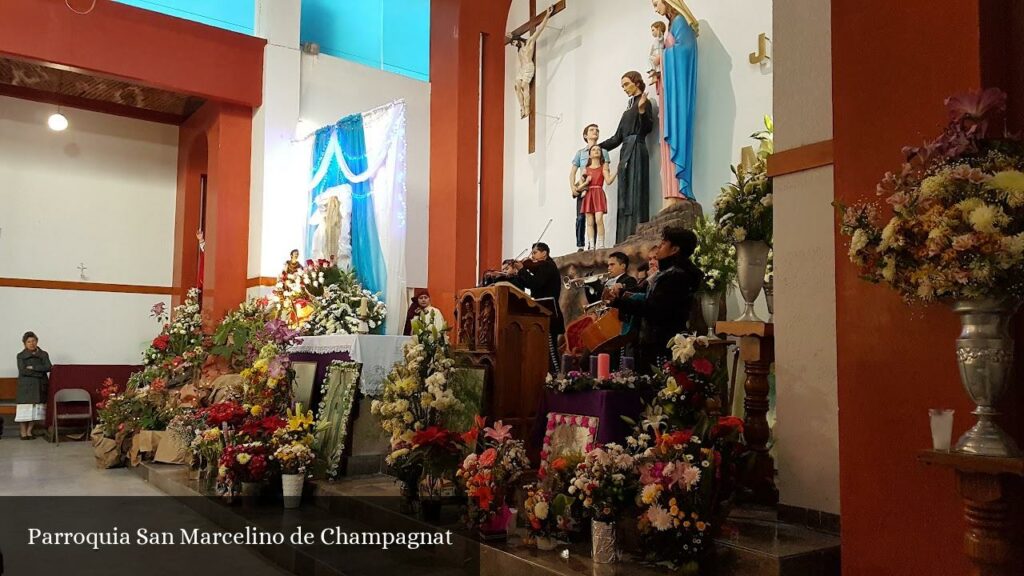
(570, 283)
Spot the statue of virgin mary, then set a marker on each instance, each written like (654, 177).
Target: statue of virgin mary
(331, 226)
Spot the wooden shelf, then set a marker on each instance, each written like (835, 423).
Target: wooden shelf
(973, 464)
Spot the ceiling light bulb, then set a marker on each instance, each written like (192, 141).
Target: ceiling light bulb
(57, 122)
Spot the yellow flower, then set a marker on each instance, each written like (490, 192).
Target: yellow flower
(987, 218)
(256, 410)
(261, 365)
(426, 399)
(300, 421)
(1012, 183)
(246, 373)
(243, 458)
(686, 524)
(272, 383)
(934, 185)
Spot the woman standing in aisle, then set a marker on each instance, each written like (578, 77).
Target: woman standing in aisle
(33, 365)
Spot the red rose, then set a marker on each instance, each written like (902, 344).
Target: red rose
(161, 342)
(703, 366)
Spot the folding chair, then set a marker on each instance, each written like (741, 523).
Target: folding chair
(68, 396)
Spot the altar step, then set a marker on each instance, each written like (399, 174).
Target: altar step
(755, 543)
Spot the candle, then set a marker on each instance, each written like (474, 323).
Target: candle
(627, 363)
(566, 363)
(593, 365)
(364, 308)
(604, 363)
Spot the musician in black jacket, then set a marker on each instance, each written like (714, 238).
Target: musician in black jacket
(541, 277)
(665, 308)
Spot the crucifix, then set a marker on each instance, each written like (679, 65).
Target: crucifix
(81, 270)
(526, 86)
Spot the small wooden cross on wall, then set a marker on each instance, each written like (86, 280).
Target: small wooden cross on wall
(81, 270)
(516, 36)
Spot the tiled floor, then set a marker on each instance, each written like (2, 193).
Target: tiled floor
(39, 468)
(33, 469)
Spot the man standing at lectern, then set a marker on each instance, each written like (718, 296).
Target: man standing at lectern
(540, 276)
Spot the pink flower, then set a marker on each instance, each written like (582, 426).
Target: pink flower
(703, 366)
(976, 105)
(499, 433)
(488, 457)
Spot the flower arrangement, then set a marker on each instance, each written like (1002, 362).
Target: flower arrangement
(245, 462)
(239, 327)
(416, 394)
(743, 210)
(295, 458)
(957, 224)
(676, 491)
(340, 309)
(688, 380)
(267, 383)
(323, 299)
(491, 475)
(178, 352)
(715, 255)
(576, 381)
(548, 513)
(605, 482)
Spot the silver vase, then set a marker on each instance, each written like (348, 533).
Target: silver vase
(751, 264)
(602, 539)
(769, 298)
(709, 304)
(984, 352)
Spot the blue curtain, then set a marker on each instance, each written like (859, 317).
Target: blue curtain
(367, 259)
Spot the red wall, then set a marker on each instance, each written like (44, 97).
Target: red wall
(217, 141)
(138, 45)
(893, 64)
(455, 31)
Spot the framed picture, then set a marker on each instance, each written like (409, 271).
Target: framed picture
(568, 434)
(338, 394)
(302, 387)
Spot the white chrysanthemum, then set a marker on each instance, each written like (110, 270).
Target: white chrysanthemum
(987, 218)
(540, 510)
(858, 242)
(888, 234)
(1010, 182)
(934, 185)
(660, 518)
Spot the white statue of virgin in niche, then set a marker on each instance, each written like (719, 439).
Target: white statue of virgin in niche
(332, 226)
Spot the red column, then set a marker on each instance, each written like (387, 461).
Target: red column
(216, 141)
(456, 26)
(893, 65)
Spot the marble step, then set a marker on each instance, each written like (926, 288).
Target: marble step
(753, 544)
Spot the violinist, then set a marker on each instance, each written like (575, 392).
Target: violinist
(539, 274)
(665, 307)
(508, 273)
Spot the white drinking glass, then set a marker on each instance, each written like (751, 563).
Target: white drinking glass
(942, 428)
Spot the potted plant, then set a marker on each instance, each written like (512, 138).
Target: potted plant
(716, 257)
(743, 210)
(490, 476)
(954, 233)
(605, 483)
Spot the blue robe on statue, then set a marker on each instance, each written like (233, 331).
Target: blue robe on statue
(679, 72)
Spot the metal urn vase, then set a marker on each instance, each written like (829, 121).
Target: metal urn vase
(751, 264)
(984, 353)
(769, 297)
(709, 306)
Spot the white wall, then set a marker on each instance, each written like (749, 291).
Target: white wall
(274, 170)
(101, 194)
(333, 88)
(580, 60)
(807, 407)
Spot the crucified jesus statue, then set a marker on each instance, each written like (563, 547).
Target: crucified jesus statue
(525, 50)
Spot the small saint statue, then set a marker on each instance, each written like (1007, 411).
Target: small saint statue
(292, 265)
(525, 50)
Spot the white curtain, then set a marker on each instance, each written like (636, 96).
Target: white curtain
(385, 140)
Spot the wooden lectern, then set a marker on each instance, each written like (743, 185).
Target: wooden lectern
(503, 330)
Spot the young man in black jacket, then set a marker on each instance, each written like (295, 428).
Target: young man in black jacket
(664, 308)
(545, 284)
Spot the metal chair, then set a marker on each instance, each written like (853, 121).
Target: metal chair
(68, 396)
